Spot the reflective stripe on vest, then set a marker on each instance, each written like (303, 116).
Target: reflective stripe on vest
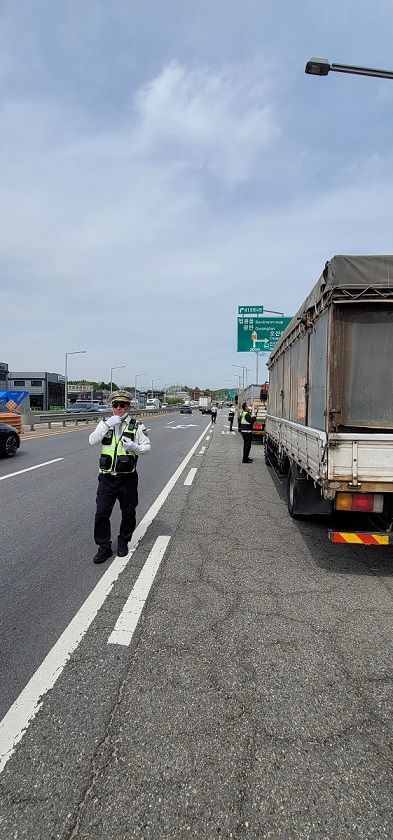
(113, 449)
(244, 425)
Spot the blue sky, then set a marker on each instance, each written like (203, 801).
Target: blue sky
(163, 163)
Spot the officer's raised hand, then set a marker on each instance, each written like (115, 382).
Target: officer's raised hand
(113, 421)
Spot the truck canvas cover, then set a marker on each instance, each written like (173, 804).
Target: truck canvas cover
(345, 272)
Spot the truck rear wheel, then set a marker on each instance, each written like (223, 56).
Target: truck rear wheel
(303, 498)
(294, 494)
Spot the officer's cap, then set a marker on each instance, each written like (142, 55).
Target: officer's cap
(125, 396)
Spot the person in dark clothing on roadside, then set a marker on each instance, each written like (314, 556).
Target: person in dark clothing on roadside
(247, 421)
(231, 417)
(214, 413)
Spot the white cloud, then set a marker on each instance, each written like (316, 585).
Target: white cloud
(219, 122)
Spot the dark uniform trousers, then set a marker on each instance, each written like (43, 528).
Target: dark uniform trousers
(247, 438)
(110, 488)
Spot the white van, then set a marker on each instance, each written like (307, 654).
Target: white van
(153, 403)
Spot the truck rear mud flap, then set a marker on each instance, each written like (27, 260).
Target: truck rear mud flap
(360, 538)
(303, 498)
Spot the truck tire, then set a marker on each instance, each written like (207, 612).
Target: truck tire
(267, 459)
(294, 491)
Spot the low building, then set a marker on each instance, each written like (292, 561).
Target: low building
(47, 390)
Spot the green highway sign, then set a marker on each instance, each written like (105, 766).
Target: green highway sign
(231, 394)
(250, 310)
(259, 333)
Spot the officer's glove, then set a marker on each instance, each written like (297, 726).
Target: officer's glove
(129, 445)
(113, 421)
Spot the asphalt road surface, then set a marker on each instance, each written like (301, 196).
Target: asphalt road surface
(47, 546)
(253, 700)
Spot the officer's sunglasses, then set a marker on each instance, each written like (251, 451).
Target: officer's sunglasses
(119, 404)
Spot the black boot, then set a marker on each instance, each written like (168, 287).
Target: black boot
(122, 548)
(103, 553)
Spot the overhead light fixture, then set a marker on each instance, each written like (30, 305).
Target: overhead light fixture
(321, 67)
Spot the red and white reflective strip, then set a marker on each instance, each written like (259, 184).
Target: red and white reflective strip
(360, 538)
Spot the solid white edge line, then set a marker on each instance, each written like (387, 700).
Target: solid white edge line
(128, 619)
(191, 475)
(19, 472)
(16, 721)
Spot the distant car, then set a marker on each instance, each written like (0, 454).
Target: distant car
(84, 407)
(9, 440)
(164, 405)
(185, 409)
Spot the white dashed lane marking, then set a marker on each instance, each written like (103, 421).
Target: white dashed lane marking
(191, 475)
(19, 472)
(128, 619)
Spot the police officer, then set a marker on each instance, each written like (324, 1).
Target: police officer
(247, 421)
(231, 417)
(122, 439)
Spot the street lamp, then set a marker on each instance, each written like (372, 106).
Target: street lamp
(244, 368)
(73, 353)
(237, 377)
(136, 377)
(118, 367)
(152, 383)
(321, 67)
(258, 353)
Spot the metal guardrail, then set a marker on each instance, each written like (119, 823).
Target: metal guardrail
(30, 419)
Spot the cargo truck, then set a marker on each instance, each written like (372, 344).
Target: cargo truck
(256, 397)
(204, 405)
(329, 426)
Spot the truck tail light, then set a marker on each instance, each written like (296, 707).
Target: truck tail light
(360, 502)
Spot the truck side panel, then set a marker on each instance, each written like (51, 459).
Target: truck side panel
(317, 374)
(364, 377)
(275, 387)
(303, 445)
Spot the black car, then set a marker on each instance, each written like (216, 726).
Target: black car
(9, 440)
(85, 408)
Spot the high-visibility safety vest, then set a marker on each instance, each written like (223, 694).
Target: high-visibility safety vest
(245, 426)
(114, 458)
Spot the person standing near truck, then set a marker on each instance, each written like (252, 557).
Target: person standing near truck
(247, 421)
(122, 439)
(231, 417)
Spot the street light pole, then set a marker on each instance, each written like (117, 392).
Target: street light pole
(246, 377)
(152, 383)
(321, 67)
(72, 353)
(118, 367)
(236, 376)
(136, 377)
(241, 368)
